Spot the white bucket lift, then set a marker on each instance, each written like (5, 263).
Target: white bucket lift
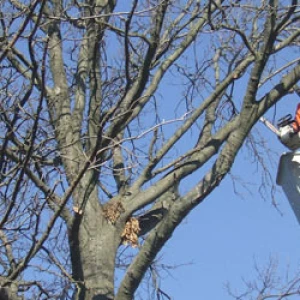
(288, 174)
(288, 177)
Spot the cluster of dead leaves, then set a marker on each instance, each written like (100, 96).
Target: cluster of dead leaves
(130, 232)
(112, 211)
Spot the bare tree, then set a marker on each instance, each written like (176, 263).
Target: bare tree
(269, 284)
(94, 149)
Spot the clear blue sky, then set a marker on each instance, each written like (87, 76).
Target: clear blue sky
(226, 235)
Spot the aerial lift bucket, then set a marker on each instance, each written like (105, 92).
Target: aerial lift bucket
(288, 174)
(288, 177)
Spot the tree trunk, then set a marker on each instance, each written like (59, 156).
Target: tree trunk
(93, 242)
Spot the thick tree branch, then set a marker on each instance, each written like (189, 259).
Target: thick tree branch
(190, 121)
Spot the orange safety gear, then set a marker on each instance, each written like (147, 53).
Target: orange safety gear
(296, 124)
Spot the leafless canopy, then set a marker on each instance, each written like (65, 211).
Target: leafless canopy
(105, 108)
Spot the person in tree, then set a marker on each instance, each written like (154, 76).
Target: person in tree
(296, 123)
(289, 128)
